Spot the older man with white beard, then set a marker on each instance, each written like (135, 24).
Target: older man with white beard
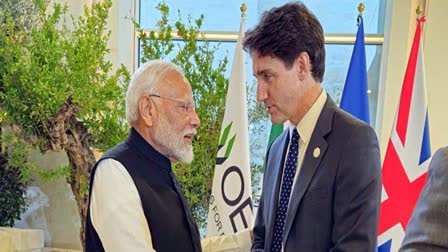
(136, 203)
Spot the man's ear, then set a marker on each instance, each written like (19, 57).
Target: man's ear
(146, 110)
(303, 64)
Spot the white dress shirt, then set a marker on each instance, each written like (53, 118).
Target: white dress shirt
(117, 215)
(305, 128)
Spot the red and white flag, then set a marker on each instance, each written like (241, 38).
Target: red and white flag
(408, 153)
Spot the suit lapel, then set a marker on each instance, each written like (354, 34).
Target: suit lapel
(311, 161)
(275, 164)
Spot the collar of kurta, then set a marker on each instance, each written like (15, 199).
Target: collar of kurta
(138, 142)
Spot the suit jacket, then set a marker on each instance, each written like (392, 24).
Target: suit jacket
(334, 205)
(428, 228)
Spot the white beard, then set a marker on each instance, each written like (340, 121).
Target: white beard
(172, 143)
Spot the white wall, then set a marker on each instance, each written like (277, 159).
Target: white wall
(122, 41)
(61, 213)
(436, 56)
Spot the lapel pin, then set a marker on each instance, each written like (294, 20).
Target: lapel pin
(316, 152)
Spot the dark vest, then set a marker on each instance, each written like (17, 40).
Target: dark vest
(170, 221)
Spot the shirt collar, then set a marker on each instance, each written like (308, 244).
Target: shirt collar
(141, 145)
(308, 123)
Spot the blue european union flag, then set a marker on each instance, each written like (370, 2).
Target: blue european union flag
(354, 97)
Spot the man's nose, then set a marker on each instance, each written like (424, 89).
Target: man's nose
(262, 93)
(194, 120)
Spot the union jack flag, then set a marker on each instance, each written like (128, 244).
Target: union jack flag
(408, 153)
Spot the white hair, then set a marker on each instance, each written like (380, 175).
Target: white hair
(145, 81)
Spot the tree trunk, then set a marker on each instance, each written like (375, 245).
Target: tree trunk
(81, 160)
(70, 135)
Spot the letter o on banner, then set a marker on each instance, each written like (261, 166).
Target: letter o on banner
(240, 195)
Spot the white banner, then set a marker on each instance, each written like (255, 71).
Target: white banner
(230, 208)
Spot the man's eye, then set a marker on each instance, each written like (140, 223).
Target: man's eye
(188, 107)
(267, 77)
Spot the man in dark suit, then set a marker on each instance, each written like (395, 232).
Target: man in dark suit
(428, 228)
(322, 184)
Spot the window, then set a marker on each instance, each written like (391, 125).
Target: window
(338, 19)
(219, 15)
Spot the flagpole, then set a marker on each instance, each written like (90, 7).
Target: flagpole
(419, 11)
(243, 10)
(361, 8)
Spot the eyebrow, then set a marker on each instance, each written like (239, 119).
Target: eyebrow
(261, 72)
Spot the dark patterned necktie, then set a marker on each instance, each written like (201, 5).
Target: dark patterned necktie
(287, 180)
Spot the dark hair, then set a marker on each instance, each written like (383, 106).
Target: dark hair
(285, 32)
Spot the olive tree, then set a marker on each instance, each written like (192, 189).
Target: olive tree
(58, 90)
